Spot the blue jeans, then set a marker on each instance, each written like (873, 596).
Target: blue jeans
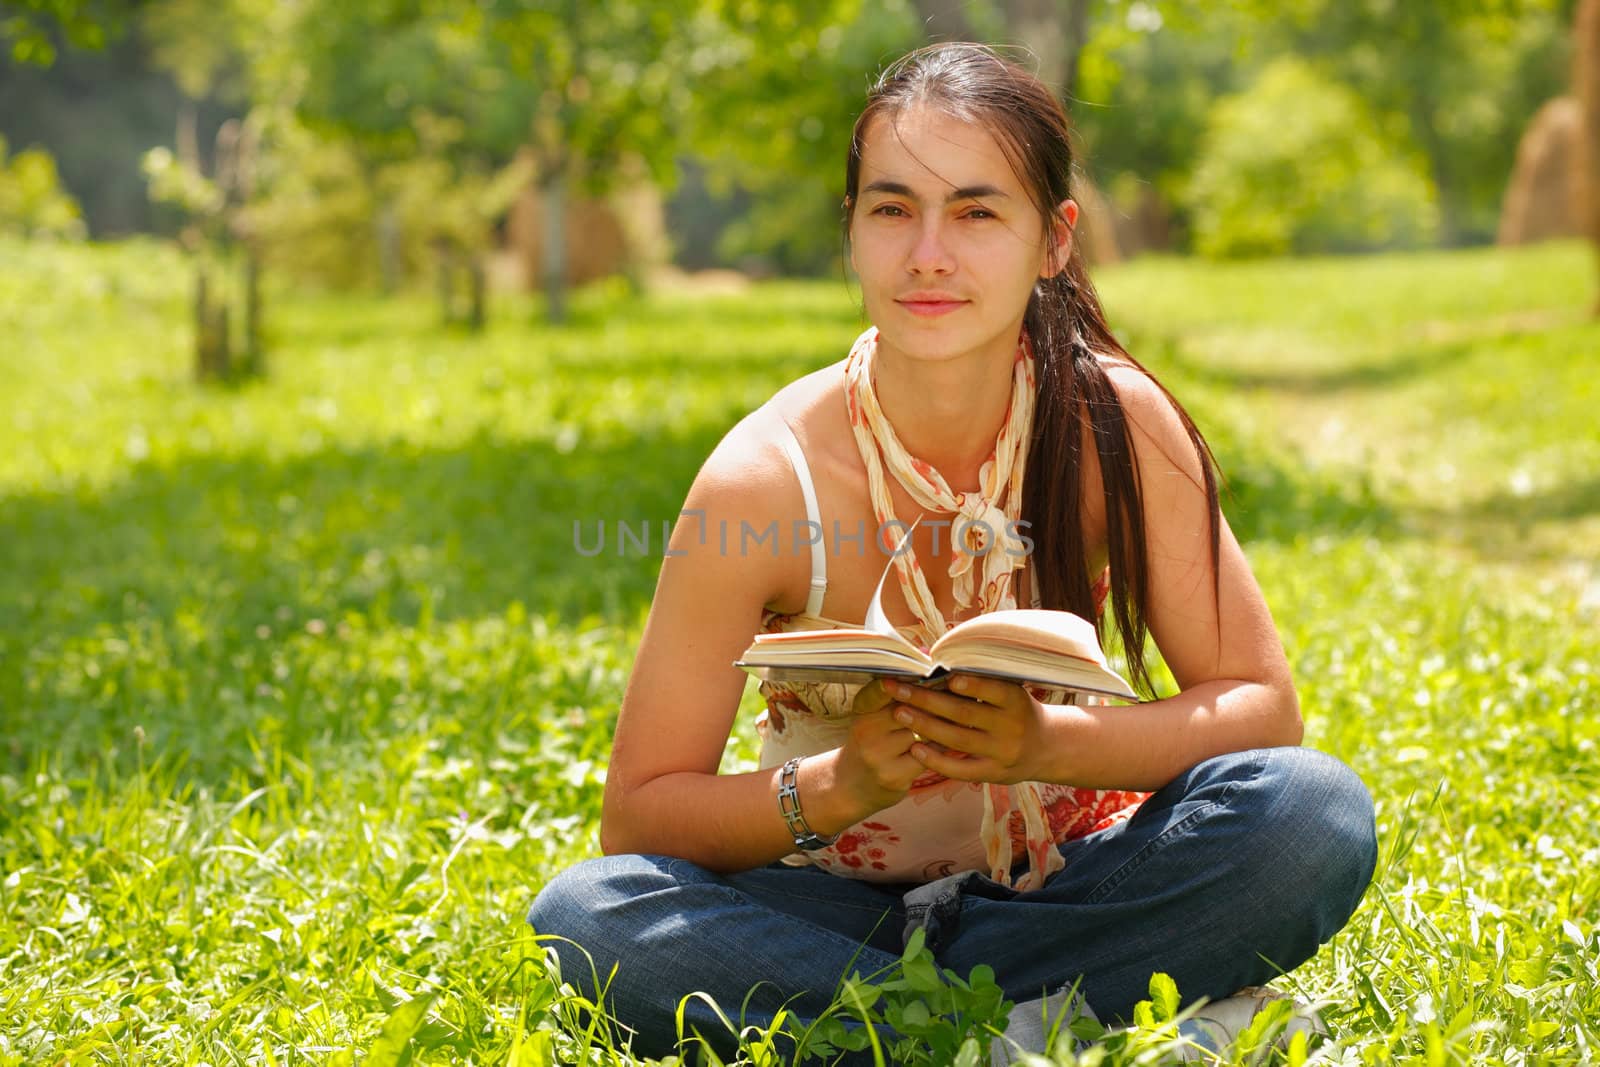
(1231, 874)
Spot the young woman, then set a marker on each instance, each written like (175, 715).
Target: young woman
(1057, 842)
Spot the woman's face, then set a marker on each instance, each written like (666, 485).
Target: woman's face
(945, 238)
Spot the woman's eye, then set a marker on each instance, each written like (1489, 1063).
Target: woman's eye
(892, 210)
(979, 213)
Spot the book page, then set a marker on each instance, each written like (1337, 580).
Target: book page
(876, 620)
(1060, 632)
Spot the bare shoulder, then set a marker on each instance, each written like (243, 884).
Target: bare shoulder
(745, 469)
(747, 496)
(1138, 390)
(1155, 421)
(749, 470)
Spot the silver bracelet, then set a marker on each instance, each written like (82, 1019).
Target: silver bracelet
(789, 805)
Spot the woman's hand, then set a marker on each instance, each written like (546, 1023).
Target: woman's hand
(875, 765)
(981, 730)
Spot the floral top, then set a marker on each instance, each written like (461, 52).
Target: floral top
(939, 827)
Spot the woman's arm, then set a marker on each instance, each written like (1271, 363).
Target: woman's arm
(663, 794)
(1236, 689)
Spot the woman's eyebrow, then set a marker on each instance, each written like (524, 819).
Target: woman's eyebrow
(966, 192)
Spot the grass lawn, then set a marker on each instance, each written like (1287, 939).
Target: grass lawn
(305, 690)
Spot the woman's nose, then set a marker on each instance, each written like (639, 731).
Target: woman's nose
(931, 254)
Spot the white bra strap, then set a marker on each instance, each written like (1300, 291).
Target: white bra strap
(819, 556)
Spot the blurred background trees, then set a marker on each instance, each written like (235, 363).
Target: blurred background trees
(32, 201)
(459, 146)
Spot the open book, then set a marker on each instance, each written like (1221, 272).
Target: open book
(1056, 649)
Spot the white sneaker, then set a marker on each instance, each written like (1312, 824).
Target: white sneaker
(1031, 1022)
(1217, 1025)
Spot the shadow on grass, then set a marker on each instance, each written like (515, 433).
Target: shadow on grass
(1405, 365)
(193, 563)
(326, 320)
(1555, 523)
(171, 598)
(466, 530)
(1575, 499)
(1266, 501)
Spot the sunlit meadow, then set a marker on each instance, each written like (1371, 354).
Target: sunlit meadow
(305, 691)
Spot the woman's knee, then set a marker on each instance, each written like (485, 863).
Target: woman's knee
(1291, 818)
(1329, 800)
(583, 910)
(1320, 815)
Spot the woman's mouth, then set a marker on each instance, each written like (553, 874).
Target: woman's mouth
(930, 306)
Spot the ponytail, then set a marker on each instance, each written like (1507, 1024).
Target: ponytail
(1076, 401)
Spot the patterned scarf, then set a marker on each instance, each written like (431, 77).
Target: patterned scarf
(984, 544)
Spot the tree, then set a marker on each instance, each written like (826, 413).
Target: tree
(1295, 164)
(433, 119)
(1147, 83)
(1055, 31)
(226, 258)
(610, 81)
(1459, 78)
(570, 88)
(32, 202)
(203, 44)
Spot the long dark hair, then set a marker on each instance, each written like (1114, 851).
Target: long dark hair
(1070, 338)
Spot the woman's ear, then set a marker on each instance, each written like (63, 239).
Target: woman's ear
(1060, 250)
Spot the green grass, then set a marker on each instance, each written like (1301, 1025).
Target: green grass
(304, 693)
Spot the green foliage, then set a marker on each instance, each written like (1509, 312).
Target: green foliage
(32, 201)
(1451, 84)
(304, 691)
(932, 1016)
(451, 110)
(206, 44)
(184, 187)
(761, 94)
(774, 121)
(1145, 89)
(394, 1045)
(1463, 77)
(582, 84)
(318, 217)
(1297, 164)
(28, 25)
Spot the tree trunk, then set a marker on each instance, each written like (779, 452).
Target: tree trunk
(444, 281)
(944, 20)
(1586, 87)
(553, 242)
(221, 330)
(1077, 38)
(478, 290)
(211, 341)
(388, 234)
(1056, 32)
(210, 330)
(1444, 183)
(255, 360)
(202, 326)
(188, 134)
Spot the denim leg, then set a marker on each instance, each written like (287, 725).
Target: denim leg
(781, 936)
(1233, 873)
